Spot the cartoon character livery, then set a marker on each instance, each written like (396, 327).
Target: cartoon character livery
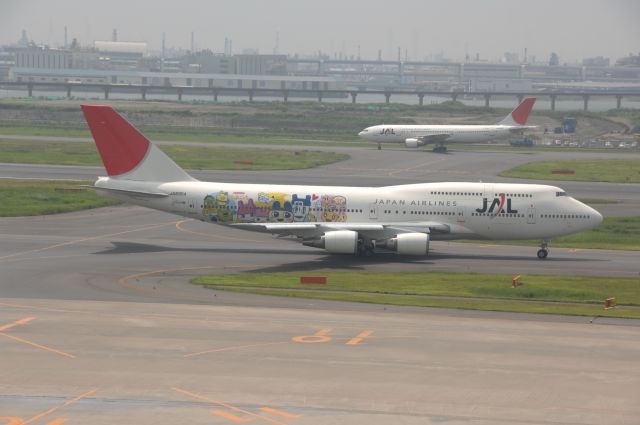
(218, 207)
(301, 208)
(272, 207)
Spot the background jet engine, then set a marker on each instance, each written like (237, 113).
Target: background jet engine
(413, 143)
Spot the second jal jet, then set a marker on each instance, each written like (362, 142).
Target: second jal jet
(414, 136)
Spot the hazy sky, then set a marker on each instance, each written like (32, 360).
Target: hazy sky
(572, 28)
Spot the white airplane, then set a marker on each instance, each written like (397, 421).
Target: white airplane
(414, 136)
(342, 220)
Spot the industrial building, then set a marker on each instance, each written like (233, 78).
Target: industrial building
(121, 55)
(43, 57)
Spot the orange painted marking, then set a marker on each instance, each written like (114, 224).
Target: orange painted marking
(320, 336)
(33, 344)
(361, 336)
(16, 323)
(231, 416)
(573, 250)
(237, 347)
(280, 413)
(60, 406)
(225, 405)
(11, 420)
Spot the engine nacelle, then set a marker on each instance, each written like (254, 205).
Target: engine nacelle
(337, 242)
(413, 143)
(409, 244)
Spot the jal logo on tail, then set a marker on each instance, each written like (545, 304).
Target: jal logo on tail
(498, 203)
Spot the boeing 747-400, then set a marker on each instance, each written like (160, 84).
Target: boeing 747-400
(338, 219)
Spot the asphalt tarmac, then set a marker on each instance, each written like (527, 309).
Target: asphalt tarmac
(99, 323)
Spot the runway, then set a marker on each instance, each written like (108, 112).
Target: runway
(98, 323)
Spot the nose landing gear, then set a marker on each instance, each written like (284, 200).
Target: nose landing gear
(544, 250)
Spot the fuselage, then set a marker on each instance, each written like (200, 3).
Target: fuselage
(471, 210)
(454, 133)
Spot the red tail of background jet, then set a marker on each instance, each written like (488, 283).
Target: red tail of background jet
(520, 114)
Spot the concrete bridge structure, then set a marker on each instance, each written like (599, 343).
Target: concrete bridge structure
(319, 94)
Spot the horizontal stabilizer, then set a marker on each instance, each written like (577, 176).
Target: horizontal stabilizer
(128, 192)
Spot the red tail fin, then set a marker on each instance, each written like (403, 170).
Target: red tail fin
(522, 111)
(121, 146)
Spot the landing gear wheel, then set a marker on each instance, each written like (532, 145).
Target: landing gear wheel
(440, 149)
(379, 147)
(544, 249)
(366, 249)
(542, 253)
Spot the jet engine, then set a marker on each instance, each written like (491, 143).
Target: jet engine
(413, 143)
(337, 242)
(409, 244)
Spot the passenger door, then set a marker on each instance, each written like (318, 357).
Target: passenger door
(460, 215)
(193, 206)
(373, 211)
(531, 216)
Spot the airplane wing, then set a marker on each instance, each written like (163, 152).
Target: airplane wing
(521, 129)
(434, 138)
(371, 230)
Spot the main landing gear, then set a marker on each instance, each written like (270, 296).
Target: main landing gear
(440, 149)
(544, 250)
(366, 248)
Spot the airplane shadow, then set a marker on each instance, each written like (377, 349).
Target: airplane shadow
(140, 248)
(325, 261)
(328, 261)
(342, 262)
(489, 257)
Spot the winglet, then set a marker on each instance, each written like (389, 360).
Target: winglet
(520, 114)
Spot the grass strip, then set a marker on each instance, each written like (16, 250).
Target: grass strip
(622, 233)
(600, 170)
(190, 157)
(238, 136)
(39, 197)
(573, 295)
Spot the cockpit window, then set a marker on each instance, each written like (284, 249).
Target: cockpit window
(561, 193)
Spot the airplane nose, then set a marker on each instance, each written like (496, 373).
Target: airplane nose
(596, 217)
